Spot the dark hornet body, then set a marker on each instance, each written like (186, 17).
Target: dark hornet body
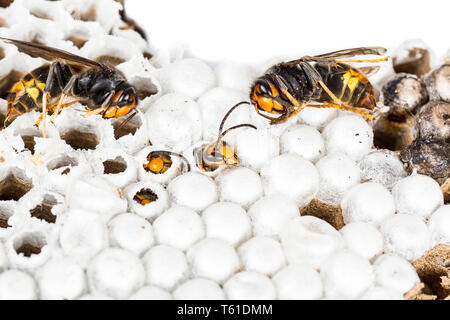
(90, 88)
(288, 87)
(100, 87)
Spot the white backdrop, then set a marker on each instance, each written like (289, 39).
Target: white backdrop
(259, 30)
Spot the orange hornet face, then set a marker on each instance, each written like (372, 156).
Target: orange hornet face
(123, 102)
(262, 97)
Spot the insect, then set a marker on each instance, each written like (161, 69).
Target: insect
(288, 87)
(160, 161)
(145, 196)
(102, 88)
(208, 157)
(211, 156)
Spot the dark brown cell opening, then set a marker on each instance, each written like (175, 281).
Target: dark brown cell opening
(14, 186)
(79, 140)
(144, 87)
(4, 216)
(145, 196)
(5, 3)
(89, 15)
(114, 166)
(395, 130)
(2, 53)
(28, 140)
(8, 81)
(77, 41)
(130, 127)
(43, 211)
(30, 243)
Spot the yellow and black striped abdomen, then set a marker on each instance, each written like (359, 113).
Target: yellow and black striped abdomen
(348, 84)
(26, 94)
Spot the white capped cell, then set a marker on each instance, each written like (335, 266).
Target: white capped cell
(235, 75)
(346, 275)
(227, 221)
(151, 293)
(240, 185)
(270, 213)
(188, 76)
(147, 198)
(303, 140)
(309, 240)
(317, 117)
(256, 147)
(291, 175)
(439, 225)
(60, 279)
(338, 173)
(193, 190)
(406, 235)
(262, 254)
(362, 238)
(298, 282)
(82, 235)
(106, 196)
(199, 289)
(250, 285)
(418, 195)
(382, 166)
(179, 227)
(131, 232)
(350, 135)
(174, 121)
(17, 285)
(367, 202)
(395, 272)
(165, 267)
(116, 272)
(213, 259)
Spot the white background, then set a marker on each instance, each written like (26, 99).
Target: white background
(253, 31)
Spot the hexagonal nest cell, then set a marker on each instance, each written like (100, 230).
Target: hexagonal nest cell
(130, 127)
(15, 185)
(79, 139)
(145, 196)
(29, 243)
(43, 211)
(114, 166)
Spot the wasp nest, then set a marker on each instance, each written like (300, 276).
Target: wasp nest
(316, 208)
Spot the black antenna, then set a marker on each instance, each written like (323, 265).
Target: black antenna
(124, 122)
(221, 133)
